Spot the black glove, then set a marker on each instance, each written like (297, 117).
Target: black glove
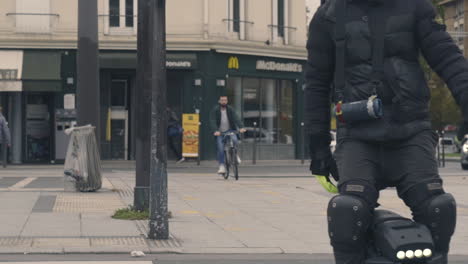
(325, 167)
(322, 162)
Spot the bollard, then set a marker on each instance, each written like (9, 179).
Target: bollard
(438, 149)
(4, 155)
(198, 156)
(303, 144)
(254, 145)
(443, 150)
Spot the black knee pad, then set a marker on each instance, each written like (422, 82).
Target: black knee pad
(434, 208)
(439, 214)
(349, 218)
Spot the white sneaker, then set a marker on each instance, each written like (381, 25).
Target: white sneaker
(238, 160)
(181, 160)
(222, 169)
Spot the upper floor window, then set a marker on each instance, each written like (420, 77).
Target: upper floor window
(234, 16)
(121, 19)
(281, 16)
(280, 27)
(459, 8)
(236, 21)
(121, 13)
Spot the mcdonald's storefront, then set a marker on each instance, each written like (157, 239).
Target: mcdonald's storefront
(266, 92)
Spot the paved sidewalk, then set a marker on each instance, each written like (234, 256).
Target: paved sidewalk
(269, 210)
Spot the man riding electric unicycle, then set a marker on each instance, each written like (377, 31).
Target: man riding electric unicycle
(370, 50)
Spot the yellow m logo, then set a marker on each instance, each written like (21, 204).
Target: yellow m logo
(233, 63)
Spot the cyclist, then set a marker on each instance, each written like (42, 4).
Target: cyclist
(223, 118)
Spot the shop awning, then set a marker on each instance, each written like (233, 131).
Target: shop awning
(41, 71)
(128, 60)
(11, 67)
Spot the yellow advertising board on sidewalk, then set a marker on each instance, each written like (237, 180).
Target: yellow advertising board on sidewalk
(190, 139)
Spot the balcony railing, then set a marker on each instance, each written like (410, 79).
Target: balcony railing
(285, 34)
(39, 23)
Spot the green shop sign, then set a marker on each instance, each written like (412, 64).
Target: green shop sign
(264, 65)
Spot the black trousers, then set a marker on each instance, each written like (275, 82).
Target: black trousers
(3, 155)
(174, 145)
(402, 164)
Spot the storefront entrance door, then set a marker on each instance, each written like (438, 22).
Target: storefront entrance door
(266, 106)
(119, 120)
(38, 127)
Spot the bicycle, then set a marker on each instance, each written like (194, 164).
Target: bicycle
(230, 154)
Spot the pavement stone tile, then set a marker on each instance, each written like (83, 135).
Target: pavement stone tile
(211, 215)
(193, 234)
(17, 202)
(158, 250)
(12, 224)
(52, 225)
(312, 249)
(104, 249)
(101, 224)
(107, 202)
(32, 250)
(15, 250)
(232, 250)
(11, 242)
(118, 241)
(60, 242)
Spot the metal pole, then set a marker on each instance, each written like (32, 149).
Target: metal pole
(198, 157)
(159, 224)
(443, 149)
(303, 143)
(438, 148)
(87, 92)
(143, 109)
(4, 154)
(254, 145)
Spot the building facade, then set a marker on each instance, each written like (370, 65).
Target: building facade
(455, 20)
(252, 50)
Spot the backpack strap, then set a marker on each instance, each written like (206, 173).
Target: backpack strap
(377, 25)
(340, 48)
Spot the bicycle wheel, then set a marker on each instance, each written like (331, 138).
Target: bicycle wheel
(226, 164)
(234, 163)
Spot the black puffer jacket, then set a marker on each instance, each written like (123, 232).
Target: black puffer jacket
(411, 30)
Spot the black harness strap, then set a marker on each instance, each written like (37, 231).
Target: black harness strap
(377, 26)
(340, 48)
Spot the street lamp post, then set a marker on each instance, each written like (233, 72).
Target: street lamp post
(87, 93)
(159, 224)
(143, 108)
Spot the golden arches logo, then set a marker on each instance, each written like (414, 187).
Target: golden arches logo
(233, 63)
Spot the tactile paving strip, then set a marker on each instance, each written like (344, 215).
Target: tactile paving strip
(15, 242)
(118, 241)
(87, 203)
(172, 242)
